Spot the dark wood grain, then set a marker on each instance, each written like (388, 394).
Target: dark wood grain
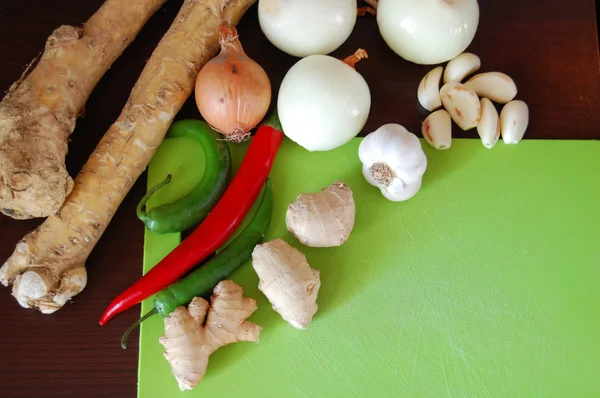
(549, 47)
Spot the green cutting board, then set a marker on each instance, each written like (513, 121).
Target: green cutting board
(487, 283)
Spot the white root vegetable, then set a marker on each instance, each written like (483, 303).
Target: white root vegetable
(47, 267)
(514, 119)
(428, 31)
(461, 67)
(307, 27)
(38, 113)
(462, 104)
(489, 126)
(496, 86)
(429, 89)
(437, 130)
(393, 161)
(288, 281)
(322, 219)
(323, 102)
(189, 340)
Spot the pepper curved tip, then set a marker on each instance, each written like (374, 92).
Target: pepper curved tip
(109, 313)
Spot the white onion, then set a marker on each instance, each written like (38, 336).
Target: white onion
(307, 27)
(428, 31)
(323, 103)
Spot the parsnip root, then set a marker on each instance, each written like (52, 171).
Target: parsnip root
(322, 219)
(288, 281)
(189, 342)
(39, 111)
(48, 265)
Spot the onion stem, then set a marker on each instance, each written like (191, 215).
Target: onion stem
(354, 58)
(362, 11)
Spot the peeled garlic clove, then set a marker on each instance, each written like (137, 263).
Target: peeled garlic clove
(461, 67)
(429, 89)
(437, 130)
(489, 125)
(496, 86)
(514, 119)
(462, 104)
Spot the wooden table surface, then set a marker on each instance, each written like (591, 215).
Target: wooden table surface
(550, 48)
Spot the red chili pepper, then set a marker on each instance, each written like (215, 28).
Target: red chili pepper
(216, 228)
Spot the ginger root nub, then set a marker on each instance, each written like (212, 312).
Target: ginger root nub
(322, 219)
(189, 342)
(288, 281)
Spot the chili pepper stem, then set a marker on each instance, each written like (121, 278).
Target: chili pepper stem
(141, 213)
(153, 311)
(273, 121)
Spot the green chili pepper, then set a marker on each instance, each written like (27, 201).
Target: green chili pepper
(202, 281)
(192, 208)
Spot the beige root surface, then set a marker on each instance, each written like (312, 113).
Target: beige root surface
(38, 113)
(189, 342)
(322, 219)
(288, 281)
(48, 265)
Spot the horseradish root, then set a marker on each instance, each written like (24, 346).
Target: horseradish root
(189, 342)
(38, 113)
(288, 281)
(322, 219)
(48, 265)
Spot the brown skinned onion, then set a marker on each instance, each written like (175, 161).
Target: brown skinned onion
(233, 92)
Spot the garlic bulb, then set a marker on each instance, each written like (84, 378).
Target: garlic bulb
(393, 161)
(428, 31)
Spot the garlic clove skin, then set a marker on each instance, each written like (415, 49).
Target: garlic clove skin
(437, 130)
(429, 89)
(514, 119)
(489, 126)
(462, 103)
(461, 67)
(497, 86)
(393, 161)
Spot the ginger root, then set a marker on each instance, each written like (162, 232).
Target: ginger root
(39, 111)
(47, 267)
(322, 219)
(189, 342)
(288, 281)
